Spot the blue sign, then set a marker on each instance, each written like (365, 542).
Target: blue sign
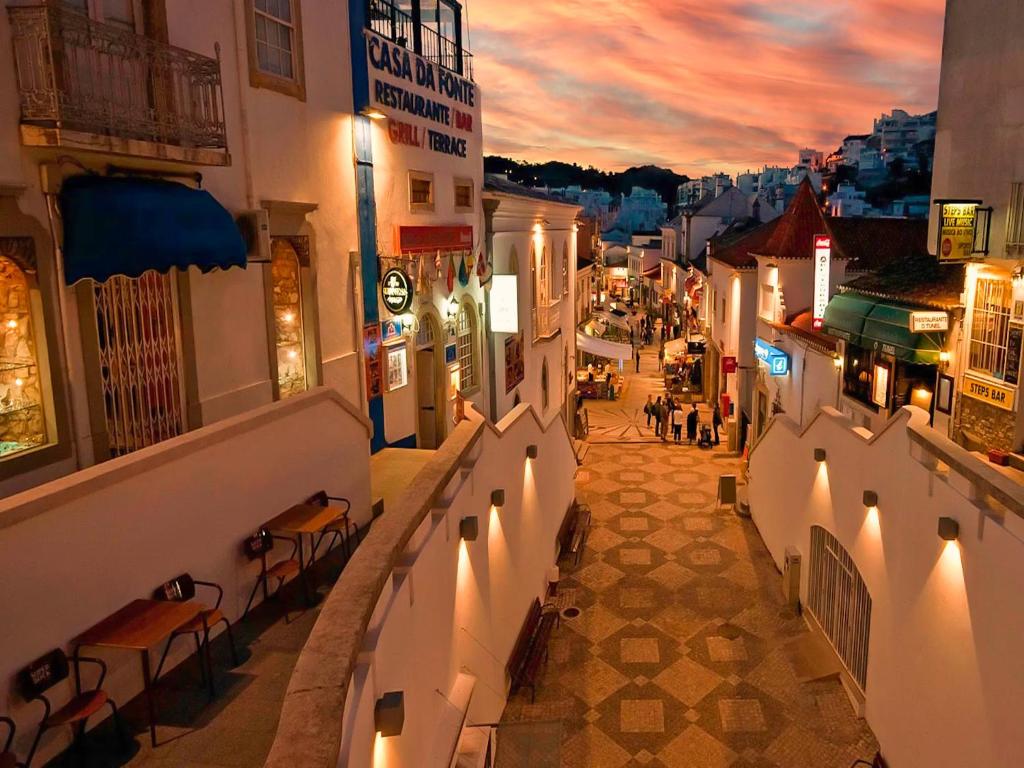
(391, 329)
(450, 354)
(776, 360)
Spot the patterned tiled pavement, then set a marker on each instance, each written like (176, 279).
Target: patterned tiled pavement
(681, 655)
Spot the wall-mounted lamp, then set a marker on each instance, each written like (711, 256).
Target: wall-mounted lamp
(531, 451)
(389, 714)
(949, 529)
(373, 114)
(453, 308)
(837, 362)
(820, 455)
(469, 528)
(870, 499)
(498, 498)
(945, 356)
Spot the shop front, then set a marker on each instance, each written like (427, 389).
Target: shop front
(771, 362)
(684, 369)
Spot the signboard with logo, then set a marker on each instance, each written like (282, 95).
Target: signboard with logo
(776, 360)
(391, 330)
(433, 239)
(924, 322)
(822, 264)
(989, 392)
(451, 354)
(396, 291)
(958, 224)
(505, 304)
(880, 386)
(728, 365)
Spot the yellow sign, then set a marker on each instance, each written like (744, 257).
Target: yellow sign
(989, 392)
(956, 231)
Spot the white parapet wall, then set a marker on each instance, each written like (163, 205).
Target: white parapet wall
(945, 671)
(75, 550)
(421, 611)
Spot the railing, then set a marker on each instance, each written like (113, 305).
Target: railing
(547, 321)
(75, 73)
(390, 21)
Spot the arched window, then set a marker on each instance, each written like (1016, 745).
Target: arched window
(533, 288)
(513, 261)
(544, 279)
(565, 268)
(466, 346)
(544, 394)
(286, 285)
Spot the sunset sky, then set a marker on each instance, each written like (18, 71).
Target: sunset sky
(696, 85)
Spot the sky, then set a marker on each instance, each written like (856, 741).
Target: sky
(696, 85)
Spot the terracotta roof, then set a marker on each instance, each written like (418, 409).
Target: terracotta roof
(871, 244)
(735, 245)
(920, 281)
(794, 236)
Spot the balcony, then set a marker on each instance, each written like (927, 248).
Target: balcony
(547, 321)
(403, 23)
(91, 86)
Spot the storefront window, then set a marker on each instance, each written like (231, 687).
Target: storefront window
(990, 327)
(466, 345)
(858, 374)
(286, 277)
(22, 418)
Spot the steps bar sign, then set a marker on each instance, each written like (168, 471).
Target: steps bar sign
(822, 262)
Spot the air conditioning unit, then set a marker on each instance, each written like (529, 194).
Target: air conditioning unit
(255, 228)
(791, 577)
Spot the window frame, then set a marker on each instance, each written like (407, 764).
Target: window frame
(427, 207)
(258, 78)
(986, 324)
(466, 348)
(467, 184)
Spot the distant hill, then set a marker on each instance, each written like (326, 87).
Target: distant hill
(558, 174)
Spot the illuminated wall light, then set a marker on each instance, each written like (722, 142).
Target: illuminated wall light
(870, 499)
(949, 529)
(469, 528)
(373, 114)
(389, 714)
(945, 356)
(532, 451)
(498, 498)
(12, 324)
(837, 362)
(820, 455)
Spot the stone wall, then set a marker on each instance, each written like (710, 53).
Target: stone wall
(978, 421)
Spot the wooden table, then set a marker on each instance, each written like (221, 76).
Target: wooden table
(304, 520)
(139, 626)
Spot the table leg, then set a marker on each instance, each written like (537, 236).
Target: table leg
(147, 687)
(302, 574)
(209, 659)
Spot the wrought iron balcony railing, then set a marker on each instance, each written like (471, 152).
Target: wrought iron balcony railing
(77, 74)
(388, 20)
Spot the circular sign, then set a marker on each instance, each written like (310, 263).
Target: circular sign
(396, 289)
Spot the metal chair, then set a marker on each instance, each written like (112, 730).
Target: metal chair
(7, 758)
(49, 670)
(181, 590)
(339, 527)
(256, 547)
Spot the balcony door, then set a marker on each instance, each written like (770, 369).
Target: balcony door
(126, 14)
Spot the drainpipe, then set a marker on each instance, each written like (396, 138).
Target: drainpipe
(490, 206)
(242, 67)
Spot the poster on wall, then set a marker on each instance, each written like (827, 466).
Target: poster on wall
(451, 354)
(1014, 343)
(372, 351)
(398, 366)
(957, 228)
(515, 368)
(880, 386)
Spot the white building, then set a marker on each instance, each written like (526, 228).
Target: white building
(642, 210)
(696, 190)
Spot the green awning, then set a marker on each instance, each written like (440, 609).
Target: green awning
(887, 330)
(845, 316)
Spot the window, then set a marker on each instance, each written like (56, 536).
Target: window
(421, 191)
(463, 195)
(544, 279)
(565, 268)
(990, 327)
(289, 348)
(275, 46)
(466, 346)
(767, 309)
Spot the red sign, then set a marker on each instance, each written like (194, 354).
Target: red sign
(427, 239)
(372, 351)
(822, 262)
(728, 365)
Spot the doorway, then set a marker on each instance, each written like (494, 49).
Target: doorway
(430, 405)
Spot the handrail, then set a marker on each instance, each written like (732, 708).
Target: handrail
(309, 731)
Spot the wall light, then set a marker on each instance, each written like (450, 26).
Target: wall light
(373, 114)
(837, 362)
(532, 451)
(389, 714)
(498, 498)
(945, 356)
(870, 499)
(949, 529)
(469, 528)
(820, 455)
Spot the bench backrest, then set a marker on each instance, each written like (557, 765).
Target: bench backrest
(522, 647)
(567, 528)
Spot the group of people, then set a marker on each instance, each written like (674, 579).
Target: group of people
(645, 331)
(668, 414)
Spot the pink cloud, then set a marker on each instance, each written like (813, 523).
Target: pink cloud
(694, 84)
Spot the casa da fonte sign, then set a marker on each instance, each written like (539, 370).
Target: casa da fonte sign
(444, 108)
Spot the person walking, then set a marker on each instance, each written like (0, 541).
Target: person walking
(716, 420)
(637, 351)
(661, 356)
(649, 409)
(677, 425)
(659, 414)
(692, 422)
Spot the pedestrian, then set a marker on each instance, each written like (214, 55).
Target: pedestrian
(692, 420)
(716, 420)
(659, 414)
(611, 391)
(661, 357)
(677, 425)
(638, 360)
(649, 409)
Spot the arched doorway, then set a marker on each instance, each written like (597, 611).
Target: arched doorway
(430, 405)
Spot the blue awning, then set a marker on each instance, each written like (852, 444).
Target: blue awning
(127, 226)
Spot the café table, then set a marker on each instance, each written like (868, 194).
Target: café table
(139, 626)
(304, 520)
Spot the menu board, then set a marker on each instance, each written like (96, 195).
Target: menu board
(1013, 350)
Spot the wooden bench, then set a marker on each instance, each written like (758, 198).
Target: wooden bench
(530, 650)
(572, 534)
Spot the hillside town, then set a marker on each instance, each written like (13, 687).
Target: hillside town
(339, 429)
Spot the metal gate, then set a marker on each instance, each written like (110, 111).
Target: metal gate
(140, 364)
(839, 601)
